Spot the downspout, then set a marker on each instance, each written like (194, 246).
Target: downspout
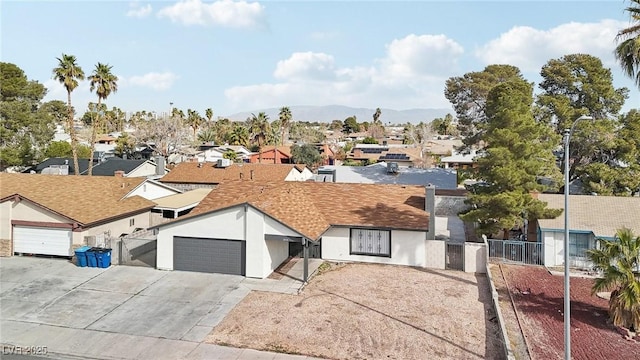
(305, 252)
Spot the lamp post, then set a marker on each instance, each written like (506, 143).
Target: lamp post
(567, 300)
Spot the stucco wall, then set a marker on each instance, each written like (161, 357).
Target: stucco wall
(277, 253)
(435, 254)
(6, 246)
(407, 248)
(146, 169)
(475, 258)
(114, 229)
(27, 211)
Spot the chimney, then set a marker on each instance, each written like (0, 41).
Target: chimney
(118, 173)
(251, 172)
(430, 207)
(159, 165)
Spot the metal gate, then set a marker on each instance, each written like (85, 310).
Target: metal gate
(454, 256)
(137, 252)
(526, 252)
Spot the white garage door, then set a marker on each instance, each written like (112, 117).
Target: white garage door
(45, 241)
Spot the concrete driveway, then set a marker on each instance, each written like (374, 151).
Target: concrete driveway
(119, 312)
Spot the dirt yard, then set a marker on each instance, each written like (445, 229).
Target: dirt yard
(366, 311)
(538, 298)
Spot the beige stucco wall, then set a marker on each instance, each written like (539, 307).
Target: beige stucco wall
(115, 228)
(435, 254)
(475, 258)
(407, 248)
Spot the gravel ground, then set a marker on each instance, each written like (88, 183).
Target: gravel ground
(538, 298)
(367, 311)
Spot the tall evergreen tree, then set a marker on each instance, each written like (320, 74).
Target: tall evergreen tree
(518, 153)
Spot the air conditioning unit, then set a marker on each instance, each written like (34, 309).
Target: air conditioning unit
(392, 167)
(224, 163)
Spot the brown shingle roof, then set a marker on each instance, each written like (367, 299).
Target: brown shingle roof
(311, 207)
(209, 173)
(286, 150)
(603, 215)
(85, 199)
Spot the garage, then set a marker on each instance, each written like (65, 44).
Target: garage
(209, 255)
(41, 240)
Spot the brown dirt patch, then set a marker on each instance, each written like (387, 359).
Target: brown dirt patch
(538, 297)
(367, 311)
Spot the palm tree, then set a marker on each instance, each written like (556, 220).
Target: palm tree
(239, 135)
(68, 72)
(376, 116)
(285, 121)
(259, 128)
(618, 261)
(104, 82)
(194, 120)
(628, 50)
(209, 114)
(207, 135)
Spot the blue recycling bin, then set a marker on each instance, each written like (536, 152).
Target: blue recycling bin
(103, 257)
(92, 261)
(81, 256)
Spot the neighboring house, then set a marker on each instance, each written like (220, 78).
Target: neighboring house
(192, 175)
(127, 168)
(209, 155)
(328, 155)
(590, 217)
(246, 227)
(58, 166)
(379, 174)
(152, 190)
(52, 215)
(242, 153)
(459, 161)
(272, 155)
(403, 155)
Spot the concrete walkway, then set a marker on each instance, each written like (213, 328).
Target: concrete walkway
(124, 312)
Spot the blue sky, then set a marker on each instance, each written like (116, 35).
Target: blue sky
(237, 56)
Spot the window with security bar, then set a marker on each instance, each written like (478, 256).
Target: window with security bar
(371, 242)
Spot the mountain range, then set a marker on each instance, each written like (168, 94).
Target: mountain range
(329, 113)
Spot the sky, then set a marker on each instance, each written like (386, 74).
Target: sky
(234, 56)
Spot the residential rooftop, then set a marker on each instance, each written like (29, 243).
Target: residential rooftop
(210, 173)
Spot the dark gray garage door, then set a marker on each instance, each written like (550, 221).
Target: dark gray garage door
(209, 255)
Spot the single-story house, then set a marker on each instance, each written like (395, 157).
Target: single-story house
(192, 175)
(52, 214)
(127, 168)
(248, 227)
(58, 166)
(272, 155)
(242, 153)
(590, 218)
(459, 161)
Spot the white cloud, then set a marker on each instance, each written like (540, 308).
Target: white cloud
(152, 80)
(227, 13)
(306, 66)
(411, 74)
(138, 11)
(80, 96)
(529, 48)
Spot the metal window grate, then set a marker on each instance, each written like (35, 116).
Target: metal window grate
(371, 242)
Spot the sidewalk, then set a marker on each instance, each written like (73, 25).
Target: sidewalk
(68, 343)
(290, 282)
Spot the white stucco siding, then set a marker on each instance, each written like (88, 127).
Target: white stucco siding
(277, 253)
(407, 248)
(296, 175)
(224, 224)
(435, 254)
(151, 191)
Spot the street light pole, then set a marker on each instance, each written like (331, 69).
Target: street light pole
(567, 292)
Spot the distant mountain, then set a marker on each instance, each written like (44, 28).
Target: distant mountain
(329, 113)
